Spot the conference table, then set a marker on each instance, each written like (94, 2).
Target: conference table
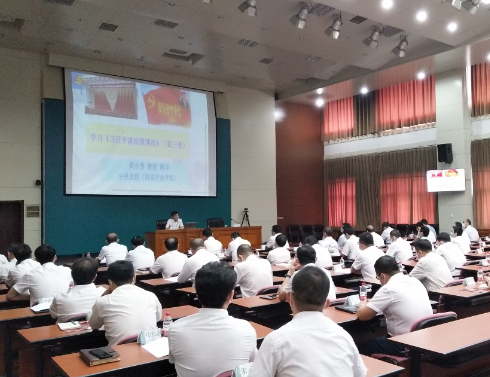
(475, 256)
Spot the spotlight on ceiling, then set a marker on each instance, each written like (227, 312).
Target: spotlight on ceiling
(249, 7)
(334, 30)
(387, 4)
(319, 102)
(471, 5)
(456, 3)
(319, 91)
(400, 49)
(488, 57)
(421, 16)
(300, 19)
(364, 90)
(207, 1)
(421, 75)
(372, 40)
(452, 27)
(485, 1)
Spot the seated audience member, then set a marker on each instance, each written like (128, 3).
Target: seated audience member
(386, 234)
(311, 344)
(280, 254)
(431, 228)
(82, 296)
(45, 281)
(368, 255)
(402, 299)
(425, 234)
(175, 222)
(200, 256)
(253, 273)
(140, 256)
(464, 234)
(210, 243)
(328, 242)
(342, 238)
(399, 249)
(471, 231)
(22, 253)
(305, 256)
(323, 258)
(125, 309)
(431, 269)
(211, 342)
(377, 239)
(113, 251)
(12, 261)
(276, 231)
(236, 240)
(460, 241)
(451, 253)
(172, 261)
(351, 246)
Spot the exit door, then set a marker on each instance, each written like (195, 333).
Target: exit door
(11, 223)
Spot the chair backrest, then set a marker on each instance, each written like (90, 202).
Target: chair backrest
(318, 231)
(434, 320)
(307, 229)
(129, 339)
(215, 222)
(268, 290)
(77, 317)
(225, 374)
(454, 282)
(175, 274)
(403, 228)
(161, 224)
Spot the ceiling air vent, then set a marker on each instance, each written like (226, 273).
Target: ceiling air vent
(248, 42)
(358, 19)
(11, 23)
(108, 27)
(313, 58)
(266, 61)
(183, 56)
(390, 31)
(61, 2)
(166, 24)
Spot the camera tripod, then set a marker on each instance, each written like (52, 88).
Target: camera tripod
(245, 218)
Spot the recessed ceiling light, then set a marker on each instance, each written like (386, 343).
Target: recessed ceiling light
(485, 1)
(279, 114)
(172, 4)
(488, 56)
(319, 102)
(452, 27)
(364, 90)
(319, 90)
(421, 75)
(421, 16)
(387, 4)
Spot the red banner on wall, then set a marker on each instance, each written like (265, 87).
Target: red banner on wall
(168, 106)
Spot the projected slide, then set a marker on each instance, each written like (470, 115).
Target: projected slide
(128, 137)
(445, 180)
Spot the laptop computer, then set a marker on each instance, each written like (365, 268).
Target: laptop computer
(190, 225)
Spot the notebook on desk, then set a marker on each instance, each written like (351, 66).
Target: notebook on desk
(89, 356)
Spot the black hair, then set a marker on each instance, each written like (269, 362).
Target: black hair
(214, 282)
(45, 254)
(121, 272)
(206, 232)
(458, 230)
(21, 252)
(173, 213)
(386, 265)
(235, 235)
(328, 231)
(310, 288)
(366, 238)
(137, 241)
(306, 254)
(281, 240)
(425, 231)
(84, 271)
(443, 236)
(424, 221)
(311, 240)
(171, 243)
(385, 225)
(395, 233)
(423, 245)
(276, 229)
(349, 231)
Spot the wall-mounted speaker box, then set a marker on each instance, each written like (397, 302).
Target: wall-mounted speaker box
(445, 153)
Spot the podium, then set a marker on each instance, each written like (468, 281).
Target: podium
(156, 240)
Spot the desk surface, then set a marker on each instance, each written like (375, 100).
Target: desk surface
(410, 263)
(378, 368)
(449, 337)
(339, 316)
(340, 273)
(254, 302)
(476, 255)
(460, 291)
(473, 268)
(261, 331)
(158, 282)
(372, 281)
(22, 313)
(3, 288)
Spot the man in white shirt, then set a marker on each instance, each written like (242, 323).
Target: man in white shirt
(399, 249)
(386, 234)
(171, 262)
(253, 273)
(140, 256)
(307, 344)
(451, 253)
(460, 241)
(342, 238)
(236, 240)
(323, 258)
(211, 342)
(305, 256)
(276, 230)
(125, 309)
(210, 243)
(280, 254)
(351, 246)
(426, 234)
(12, 261)
(377, 240)
(200, 257)
(82, 296)
(25, 263)
(45, 281)
(431, 269)
(471, 231)
(113, 251)
(328, 242)
(431, 228)
(402, 299)
(368, 255)
(175, 222)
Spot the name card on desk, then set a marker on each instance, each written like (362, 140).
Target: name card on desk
(337, 267)
(353, 300)
(469, 281)
(45, 300)
(149, 336)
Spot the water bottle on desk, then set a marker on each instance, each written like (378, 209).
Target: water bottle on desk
(479, 275)
(401, 267)
(88, 255)
(363, 292)
(167, 321)
(342, 263)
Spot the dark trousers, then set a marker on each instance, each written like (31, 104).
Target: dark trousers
(381, 345)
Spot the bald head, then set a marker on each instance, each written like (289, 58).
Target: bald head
(370, 228)
(112, 237)
(244, 251)
(196, 244)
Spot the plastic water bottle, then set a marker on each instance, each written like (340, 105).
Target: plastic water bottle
(342, 263)
(479, 275)
(488, 258)
(363, 292)
(482, 246)
(166, 323)
(401, 267)
(88, 255)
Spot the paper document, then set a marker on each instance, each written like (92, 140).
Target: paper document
(41, 307)
(173, 278)
(158, 348)
(69, 326)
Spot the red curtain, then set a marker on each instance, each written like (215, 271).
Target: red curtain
(341, 198)
(338, 119)
(480, 89)
(423, 202)
(406, 104)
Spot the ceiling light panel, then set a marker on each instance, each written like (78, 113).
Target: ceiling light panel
(166, 24)
(108, 27)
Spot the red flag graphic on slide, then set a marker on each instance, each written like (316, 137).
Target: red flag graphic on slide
(168, 106)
